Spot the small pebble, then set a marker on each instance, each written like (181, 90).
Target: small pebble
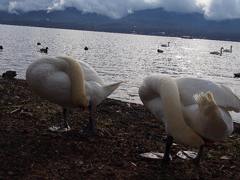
(225, 158)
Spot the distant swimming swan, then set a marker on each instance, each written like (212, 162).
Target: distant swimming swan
(217, 52)
(165, 45)
(70, 84)
(194, 111)
(228, 50)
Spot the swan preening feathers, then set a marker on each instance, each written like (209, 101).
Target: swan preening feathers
(194, 111)
(69, 84)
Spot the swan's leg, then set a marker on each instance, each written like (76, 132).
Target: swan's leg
(91, 127)
(63, 126)
(166, 157)
(66, 118)
(199, 155)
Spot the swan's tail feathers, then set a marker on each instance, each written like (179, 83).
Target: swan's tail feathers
(108, 89)
(206, 101)
(231, 100)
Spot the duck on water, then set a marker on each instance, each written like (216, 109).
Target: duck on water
(44, 50)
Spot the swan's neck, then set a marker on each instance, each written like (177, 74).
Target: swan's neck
(78, 90)
(207, 106)
(172, 109)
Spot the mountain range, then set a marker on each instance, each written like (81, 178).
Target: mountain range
(149, 22)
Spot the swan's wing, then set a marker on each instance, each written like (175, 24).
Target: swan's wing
(212, 129)
(155, 107)
(223, 96)
(57, 89)
(89, 73)
(100, 92)
(150, 95)
(48, 80)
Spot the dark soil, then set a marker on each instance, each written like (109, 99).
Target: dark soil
(28, 150)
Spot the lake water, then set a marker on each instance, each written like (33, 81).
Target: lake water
(125, 57)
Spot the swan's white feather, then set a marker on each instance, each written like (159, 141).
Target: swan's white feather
(49, 78)
(223, 96)
(225, 100)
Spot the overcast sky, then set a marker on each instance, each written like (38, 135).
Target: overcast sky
(212, 9)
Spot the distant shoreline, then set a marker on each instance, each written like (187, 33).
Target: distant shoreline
(130, 33)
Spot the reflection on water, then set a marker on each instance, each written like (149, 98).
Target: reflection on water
(121, 56)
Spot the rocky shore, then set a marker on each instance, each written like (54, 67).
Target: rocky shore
(28, 150)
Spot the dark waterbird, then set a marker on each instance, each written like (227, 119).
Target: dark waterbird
(236, 75)
(1, 47)
(44, 50)
(85, 48)
(38, 43)
(9, 74)
(160, 51)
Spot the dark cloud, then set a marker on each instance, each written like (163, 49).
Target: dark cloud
(223, 9)
(212, 9)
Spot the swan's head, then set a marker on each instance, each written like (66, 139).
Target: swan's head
(206, 102)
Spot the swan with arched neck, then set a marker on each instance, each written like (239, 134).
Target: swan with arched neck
(194, 111)
(70, 84)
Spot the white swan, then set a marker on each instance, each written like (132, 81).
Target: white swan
(69, 84)
(217, 52)
(165, 45)
(193, 110)
(228, 50)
